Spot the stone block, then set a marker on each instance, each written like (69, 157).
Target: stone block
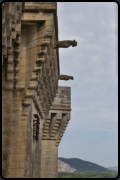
(17, 157)
(22, 62)
(32, 37)
(20, 85)
(22, 69)
(13, 165)
(21, 165)
(23, 48)
(23, 54)
(32, 29)
(4, 164)
(18, 141)
(5, 157)
(22, 149)
(31, 52)
(23, 41)
(5, 172)
(9, 86)
(14, 150)
(16, 173)
(36, 16)
(59, 116)
(10, 77)
(32, 44)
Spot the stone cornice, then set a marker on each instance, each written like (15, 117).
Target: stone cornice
(47, 7)
(63, 109)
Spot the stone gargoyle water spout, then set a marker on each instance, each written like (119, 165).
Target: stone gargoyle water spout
(65, 44)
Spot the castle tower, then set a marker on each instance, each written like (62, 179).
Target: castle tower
(35, 110)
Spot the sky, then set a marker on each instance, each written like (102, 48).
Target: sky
(92, 132)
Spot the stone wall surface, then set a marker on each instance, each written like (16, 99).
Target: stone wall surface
(33, 150)
(11, 35)
(11, 25)
(35, 110)
(39, 4)
(49, 159)
(14, 137)
(62, 99)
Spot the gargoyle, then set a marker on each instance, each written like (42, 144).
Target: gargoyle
(65, 77)
(65, 44)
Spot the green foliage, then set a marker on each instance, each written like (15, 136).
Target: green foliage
(88, 174)
(83, 166)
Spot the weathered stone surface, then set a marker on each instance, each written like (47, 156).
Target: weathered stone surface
(40, 5)
(65, 44)
(36, 16)
(30, 87)
(62, 99)
(49, 159)
(65, 77)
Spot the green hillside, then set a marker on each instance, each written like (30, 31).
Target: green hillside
(113, 168)
(83, 166)
(88, 174)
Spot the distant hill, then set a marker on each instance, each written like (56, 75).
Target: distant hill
(115, 168)
(83, 166)
(64, 167)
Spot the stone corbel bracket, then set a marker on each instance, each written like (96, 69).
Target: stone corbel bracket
(44, 78)
(55, 125)
(58, 117)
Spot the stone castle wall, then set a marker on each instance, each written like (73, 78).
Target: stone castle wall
(14, 135)
(49, 159)
(35, 110)
(33, 150)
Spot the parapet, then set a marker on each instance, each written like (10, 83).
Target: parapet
(40, 5)
(59, 116)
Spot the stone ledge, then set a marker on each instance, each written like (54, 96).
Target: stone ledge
(66, 109)
(37, 8)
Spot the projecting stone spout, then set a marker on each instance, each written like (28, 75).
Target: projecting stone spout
(65, 44)
(65, 77)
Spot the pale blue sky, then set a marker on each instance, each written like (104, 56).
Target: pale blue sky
(92, 132)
